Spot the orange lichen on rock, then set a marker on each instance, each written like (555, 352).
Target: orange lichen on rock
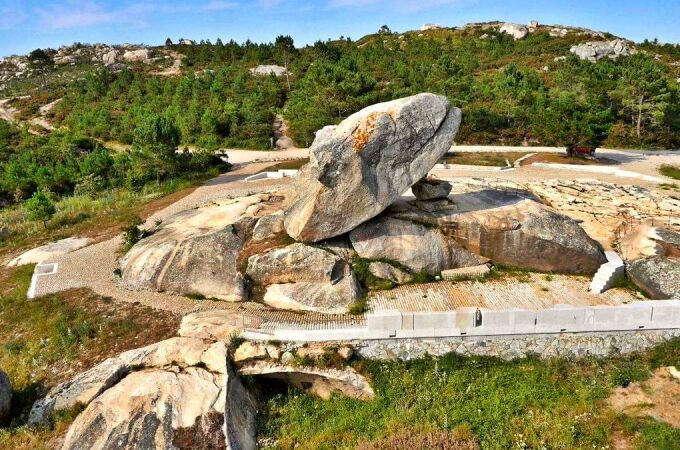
(363, 133)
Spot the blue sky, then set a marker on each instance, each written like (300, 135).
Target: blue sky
(28, 24)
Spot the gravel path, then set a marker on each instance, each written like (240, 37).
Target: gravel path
(93, 266)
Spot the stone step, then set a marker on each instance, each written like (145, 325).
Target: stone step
(607, 273)
(466, 273)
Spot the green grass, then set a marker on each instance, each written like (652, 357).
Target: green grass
(81, 214)
(491, 159)
(48, 340)
(527, 403)
(670, 171)
(295, 164)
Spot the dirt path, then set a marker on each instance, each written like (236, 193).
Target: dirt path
(175, 69)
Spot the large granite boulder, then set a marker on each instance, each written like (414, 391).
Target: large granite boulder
(516, 30)
(177, 393)
(196, 251)
(416, 246)
(302, 277)
(86, 386)
(168, 408)
(528, 235)
(358, 168)
(5, 396)
(510, 229)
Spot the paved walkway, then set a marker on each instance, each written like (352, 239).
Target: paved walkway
(536, 292)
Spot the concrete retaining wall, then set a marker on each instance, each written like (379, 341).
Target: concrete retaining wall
(394, 324)
(509, 347)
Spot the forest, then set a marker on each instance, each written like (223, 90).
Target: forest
(526, 92)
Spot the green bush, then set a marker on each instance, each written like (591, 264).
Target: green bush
(40, 207)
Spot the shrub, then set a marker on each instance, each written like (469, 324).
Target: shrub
(670, 171)
(40, 207)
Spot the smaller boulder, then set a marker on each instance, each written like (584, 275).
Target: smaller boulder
(389, 272)
(111, 57)
(431, 189)
(249, 351)
(295, 263)
(325, 298)
(268, 226)
(141, 55)
(5, 396)
(416, 246)
(215, 324)
(658, 276)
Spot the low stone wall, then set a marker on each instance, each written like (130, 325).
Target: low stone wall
(510, 347)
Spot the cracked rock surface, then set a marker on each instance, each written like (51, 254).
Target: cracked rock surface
(358, 168)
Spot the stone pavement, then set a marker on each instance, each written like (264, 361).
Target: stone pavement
(536, 292)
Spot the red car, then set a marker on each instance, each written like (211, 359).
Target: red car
(579, 150)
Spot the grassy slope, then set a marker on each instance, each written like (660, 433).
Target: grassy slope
(527, 403)
(48, 340)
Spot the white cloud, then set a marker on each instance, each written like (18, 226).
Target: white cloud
(76, 14)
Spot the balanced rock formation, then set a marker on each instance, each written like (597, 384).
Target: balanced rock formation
(196, 251)
(301, 277)
(416, 246)
(652, 257)
(5, 396)
(358, 168)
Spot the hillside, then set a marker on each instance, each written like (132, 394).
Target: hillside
(530, 85)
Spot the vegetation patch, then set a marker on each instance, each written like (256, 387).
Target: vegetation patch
(51, 339)
(492, 159)
(558, 158)
(476, 402)
(670, 171)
